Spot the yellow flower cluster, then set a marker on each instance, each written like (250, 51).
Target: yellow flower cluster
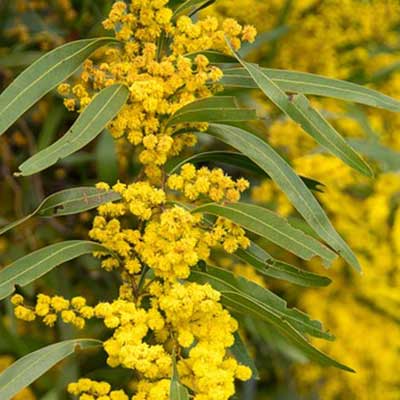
(111, 235)
(173, 239)
(201, 324)
(127, 347)
(338, 32)
(138, 198)
(181, 316)
(226, 233)
(214, 184)
(161, 80)
(158, 390)
(173, 244)
(151, 242)
(72, 312)
(88, 389)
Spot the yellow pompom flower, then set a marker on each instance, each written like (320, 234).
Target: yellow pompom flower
(160, 82)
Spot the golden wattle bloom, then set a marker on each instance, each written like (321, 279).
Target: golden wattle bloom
(159, 59)
(153, 242)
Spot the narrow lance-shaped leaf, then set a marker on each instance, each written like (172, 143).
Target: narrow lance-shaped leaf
(267, 224)
(268, 266)
(250, 299)
(388, 158)
(177, 391)
(246, 306)
(174, 3)
(214, 57)
(232, 158)
(227, 157)
(219, 108)
(311, 84)
(225, 282)
(102, 109)
(67, 202)
(202, 6)
(34, 265)
(75, 200)
(191, 6)
(32, 366)
(326, 135)
(299, 109)
(283, 175)
(265, 264)
(106, 158)
(211, 102)
(43, 76)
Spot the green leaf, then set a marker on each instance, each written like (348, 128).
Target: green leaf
(299, 109)
(211, 102)
(265, 264)
(75, 200)
(227, 157)
(284, 176)
(231, 158)
(239, 351)
(36, 264)
(268, 266)
(261, 331)
(102, 109)
(212, 109)
(247, 306)
(326, 135)
(43, 76)
(214, 57)
(252, 300)
(225, 282)
(177, 391)
(106, 159)
(30, 367)
(311, 84)
(271, 226)
(174, 3)
(77, 159)
(388, 158)
(67, 202)
(191, 7)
